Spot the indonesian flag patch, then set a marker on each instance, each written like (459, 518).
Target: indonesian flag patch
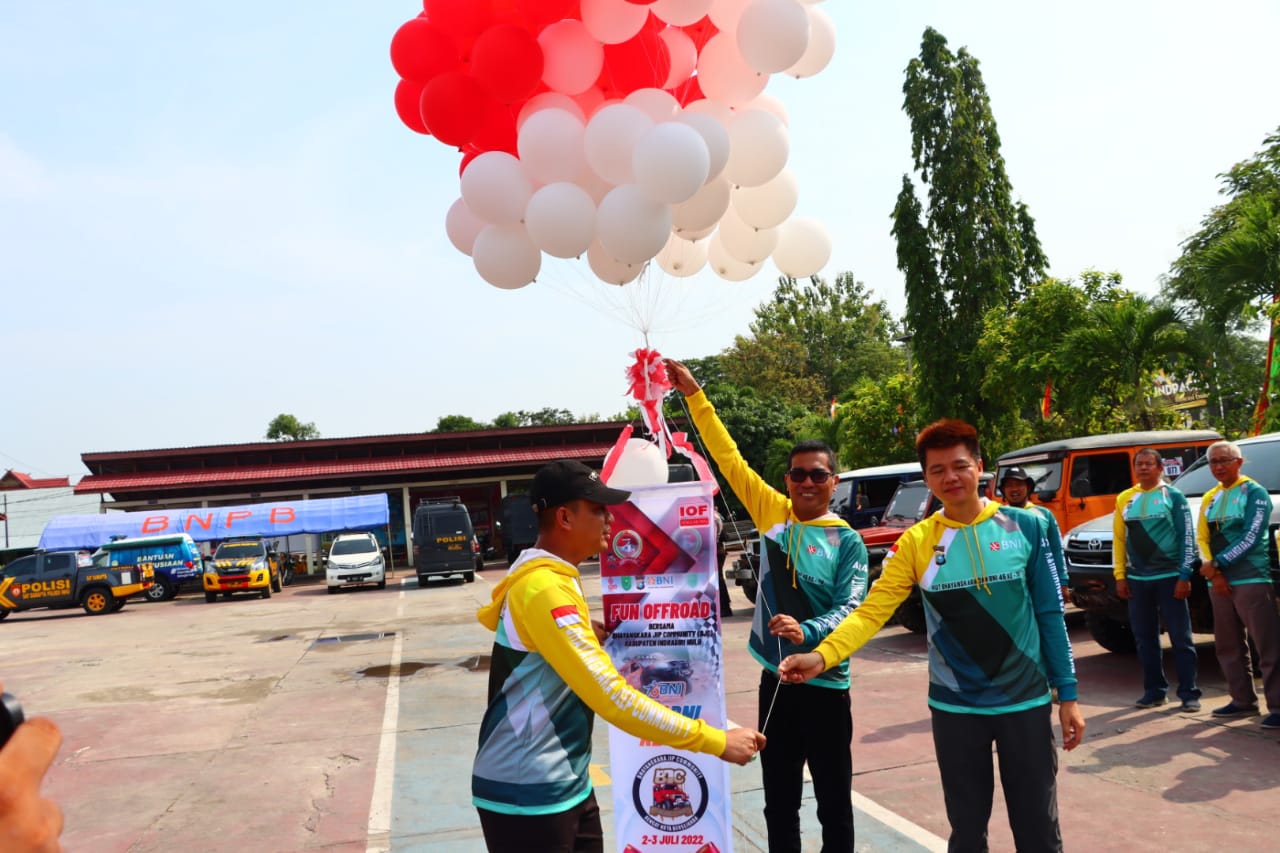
(566, 616)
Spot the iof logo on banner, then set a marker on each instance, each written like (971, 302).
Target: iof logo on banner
(661, 605)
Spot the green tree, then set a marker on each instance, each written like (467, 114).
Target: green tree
(1114, 355)
(458, 423)
(843, 334)
(285, 427)
(877, 424)
(775, 367)
(542, 417)
(973, 249)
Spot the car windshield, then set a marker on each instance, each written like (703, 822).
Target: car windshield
(1262, 463)
(908, 502)
(239, 550)
(1048, 475)
(347, 547)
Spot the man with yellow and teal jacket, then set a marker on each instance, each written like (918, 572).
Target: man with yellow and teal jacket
(1152, 551)
(813, 573)
(1232, 533)
(997, 645)
(549, 677)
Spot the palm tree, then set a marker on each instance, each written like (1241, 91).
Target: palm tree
(1118, 350)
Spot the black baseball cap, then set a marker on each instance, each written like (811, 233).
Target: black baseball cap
(1016, 473)
(567, 480)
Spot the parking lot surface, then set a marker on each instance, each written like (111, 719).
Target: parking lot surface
(347, 723)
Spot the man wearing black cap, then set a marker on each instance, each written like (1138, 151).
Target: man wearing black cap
(549, 676)
(1016, 486)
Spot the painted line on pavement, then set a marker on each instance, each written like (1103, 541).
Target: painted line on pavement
(378, 839)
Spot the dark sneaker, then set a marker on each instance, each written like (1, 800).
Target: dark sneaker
(1150, 700)
(1231, 709)
(1190, 706)
(1271, 721)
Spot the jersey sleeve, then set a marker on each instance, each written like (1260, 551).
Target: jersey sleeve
(766, 505)
(557, 622)
(1046, 603)
(1202, 523)
(851, 580)
(1257, 514)
(1184, 533)
(1118, 533)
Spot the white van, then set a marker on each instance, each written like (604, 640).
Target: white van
(355, 559)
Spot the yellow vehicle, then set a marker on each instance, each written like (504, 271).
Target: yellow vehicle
(243, 564)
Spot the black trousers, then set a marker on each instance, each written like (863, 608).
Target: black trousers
(814, 725)
(1028, 758)
(576, 830)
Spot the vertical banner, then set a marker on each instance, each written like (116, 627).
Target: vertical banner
(661, 605)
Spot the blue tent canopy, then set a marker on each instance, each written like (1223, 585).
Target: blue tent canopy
(358, 512)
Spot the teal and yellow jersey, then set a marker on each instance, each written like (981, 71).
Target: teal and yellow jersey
(814, 571)
(1152, 535)
(548, 677)
(1233, 531)
(1054, 535)
(993, 608)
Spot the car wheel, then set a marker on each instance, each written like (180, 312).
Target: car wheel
(512, 553)
(266, 590)
(468, 577)
(382, 584)
(750, 588)
(276, 583)
(117, 605)
(160, 590)
(4, 613)
(226, 596)
(210, 597)
(96, 601)
(1112, 634)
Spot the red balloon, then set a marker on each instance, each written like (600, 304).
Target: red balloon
(701, 32)
(640, 62)
(453, 105)
(688, 91)
(462, 19)
(497, 130)
(508, 61)
(408, 100)
(469, 153)
(537, 14)
(420, 50)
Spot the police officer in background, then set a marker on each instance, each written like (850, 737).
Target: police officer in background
(1016, 485)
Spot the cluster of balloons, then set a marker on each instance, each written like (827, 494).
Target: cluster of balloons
(625, 130)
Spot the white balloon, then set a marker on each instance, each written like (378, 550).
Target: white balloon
(680, 13)
(496, 188)
(671, 162)
(682, 258)
(571, 57)
(804, 247)
(726, 265)
(704, 209)
(550, 146)
(610, 140)
(561, 219)
(657, 104)
(506, 257)
(613, 21)
(683, 53)
(549, 101)
(697, 234)
(773, 34)
(630, 226)
(713, 134)
(770, 104)
(715, 109)
(758, 148)
(641, 463)
(609, 269)
(822, 44)
(747, 244)
(768, 205)
(724, 75)
(462, 226)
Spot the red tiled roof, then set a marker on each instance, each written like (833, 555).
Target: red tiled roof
(422, 463)
(17, 480)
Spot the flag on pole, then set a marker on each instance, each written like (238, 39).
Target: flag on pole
(1046, 407)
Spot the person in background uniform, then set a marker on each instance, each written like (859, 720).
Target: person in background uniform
(997, 645)
(549, 676)
(29, 823)
(1017, 485)
(1152, 554)
(726, 605)
(813, 571)
(1235, 516)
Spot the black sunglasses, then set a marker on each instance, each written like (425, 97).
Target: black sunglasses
(817, 475)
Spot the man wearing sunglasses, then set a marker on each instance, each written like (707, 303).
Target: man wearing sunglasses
(813, 573)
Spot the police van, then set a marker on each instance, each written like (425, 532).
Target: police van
(174, 558)
(444, 542)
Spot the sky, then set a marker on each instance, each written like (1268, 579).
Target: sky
(210, 214)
